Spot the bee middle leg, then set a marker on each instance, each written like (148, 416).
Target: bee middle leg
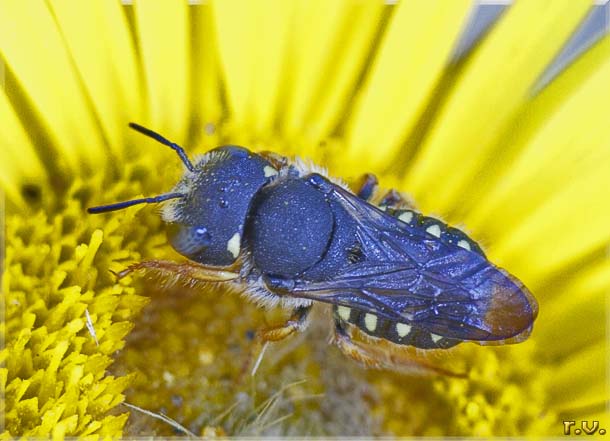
(296, 323)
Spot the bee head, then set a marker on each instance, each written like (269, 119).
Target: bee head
(207, 224)
(209, 205)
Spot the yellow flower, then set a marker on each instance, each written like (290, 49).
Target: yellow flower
(358, 86)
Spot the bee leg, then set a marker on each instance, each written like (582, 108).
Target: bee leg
(367, 187)
(296, 323)
(344, 342)
(369, 191)
(394, 199)
(375, 355)
(187, 272)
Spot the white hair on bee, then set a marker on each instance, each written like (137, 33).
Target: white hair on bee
(170, 211)
(257, 293)
(305, 167)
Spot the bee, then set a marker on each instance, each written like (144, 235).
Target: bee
(281, 232)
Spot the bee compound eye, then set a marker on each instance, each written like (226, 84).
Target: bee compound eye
(189, 240)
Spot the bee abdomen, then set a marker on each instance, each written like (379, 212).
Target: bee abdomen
(437, 228)
(401, 333)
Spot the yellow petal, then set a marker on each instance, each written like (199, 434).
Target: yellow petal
(36, 55)
(164, 41)
(571, 224)
(20, 166)
(582, 379)
(515, 171)
(332, 102)
(564, 308)
(315, 64)
(411, 59)
(205, 67)
(252, 45)
(104, 55)
(572, 143)
(488, 92)
(310, 54)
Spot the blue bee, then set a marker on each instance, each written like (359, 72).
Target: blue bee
(283, 233)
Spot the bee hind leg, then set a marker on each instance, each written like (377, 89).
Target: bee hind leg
(396, 200)
(342, 339)
(368, 186)
(378, 356)
(369, 190)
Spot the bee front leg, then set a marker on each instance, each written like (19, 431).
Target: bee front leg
(188, 273)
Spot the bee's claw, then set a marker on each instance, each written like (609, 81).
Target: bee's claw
(124, 272)
(116, 275)
(119, 275)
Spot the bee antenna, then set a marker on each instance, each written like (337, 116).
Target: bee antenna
(125, 204)
(165, 141)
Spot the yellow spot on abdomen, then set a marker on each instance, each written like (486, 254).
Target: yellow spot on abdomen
(370, 321)
(344, 312)
(402, 329)
(462, 243)
(434, 230)
(406, 217)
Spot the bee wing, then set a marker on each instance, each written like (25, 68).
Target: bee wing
(412, 276)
